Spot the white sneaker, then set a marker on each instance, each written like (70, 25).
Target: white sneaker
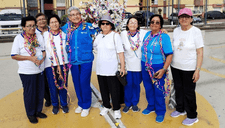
(117, 114)
(104, 111)
(85, 112)
(78, 109)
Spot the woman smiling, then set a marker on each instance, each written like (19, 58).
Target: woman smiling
(56, 64)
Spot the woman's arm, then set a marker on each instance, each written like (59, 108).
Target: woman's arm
(165, 67)
(122, 62)
(196, 75)
(21, 58)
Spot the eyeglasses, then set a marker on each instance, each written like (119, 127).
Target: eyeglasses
(184, 16)
(41, 19)
(157, 22)
(73, 15)
(30, 27)
(105, 23)
(56, 22)
(134, 23)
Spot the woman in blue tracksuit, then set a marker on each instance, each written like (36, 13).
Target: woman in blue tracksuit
(80, 56)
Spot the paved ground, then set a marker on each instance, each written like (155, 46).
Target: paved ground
(210, 86)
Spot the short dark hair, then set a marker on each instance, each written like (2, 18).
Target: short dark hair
(112, 25)
(41, 14)
(135, 17)
(28, 18)
(160, 17)
(54, 16)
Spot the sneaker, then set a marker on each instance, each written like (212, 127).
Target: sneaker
(85, 112)
(47, 104)
(41, 115)
(117, 114)
(33, 119)
(189, 121)
(65, 109)
(104, 111)
(55, 109)
(146, 111)
(176, 113)
(126, 109)
(78, 109)
(135, 109)
(159, 118)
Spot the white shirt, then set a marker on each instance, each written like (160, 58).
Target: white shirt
(185, 44)
(107, 63)
(132, 58)
(27, 66)
(49, 50)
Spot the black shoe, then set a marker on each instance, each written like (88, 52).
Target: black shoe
(41, 115)
(55, 109)
(47, 104)
(65, 109)
(33, 119)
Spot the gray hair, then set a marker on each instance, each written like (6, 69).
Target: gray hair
(73, 8)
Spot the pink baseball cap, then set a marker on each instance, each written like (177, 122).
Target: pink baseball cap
(186, 11)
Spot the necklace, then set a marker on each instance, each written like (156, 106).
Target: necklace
(63, 79)
(149, 65)
(133, 46)
(31, 43)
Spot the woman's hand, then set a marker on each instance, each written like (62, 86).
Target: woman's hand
(164, 30)
(122, 71)
(160, 74)
(35, 60)
(196, 76)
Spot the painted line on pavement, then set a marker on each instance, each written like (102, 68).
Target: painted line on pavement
(114, 123)
(217, 59)
(216, 74)
(216, 47)
(8, 58)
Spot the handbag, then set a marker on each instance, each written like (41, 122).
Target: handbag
(123, 79)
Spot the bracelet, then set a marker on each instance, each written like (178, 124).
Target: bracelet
(198, 69)
(164, 69)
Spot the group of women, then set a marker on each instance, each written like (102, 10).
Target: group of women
(145, 54)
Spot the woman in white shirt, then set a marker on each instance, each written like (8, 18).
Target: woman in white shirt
(28, 50)
(186, 63)
(108, 45)
(56, 64)
(132, 40)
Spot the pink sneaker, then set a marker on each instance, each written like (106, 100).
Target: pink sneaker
(189, 121)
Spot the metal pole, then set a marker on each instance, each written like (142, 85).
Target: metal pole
(71, 3)
(178, 10)
(168, 8)
(42, 6)
(172, 12)
(147, 14)
(205, 12)
(24, 9)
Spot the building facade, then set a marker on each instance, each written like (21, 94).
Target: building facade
(163, 7)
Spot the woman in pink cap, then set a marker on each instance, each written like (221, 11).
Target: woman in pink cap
(186, 64)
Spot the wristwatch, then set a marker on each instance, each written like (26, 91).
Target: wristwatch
(164, 69)
(198, 69)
